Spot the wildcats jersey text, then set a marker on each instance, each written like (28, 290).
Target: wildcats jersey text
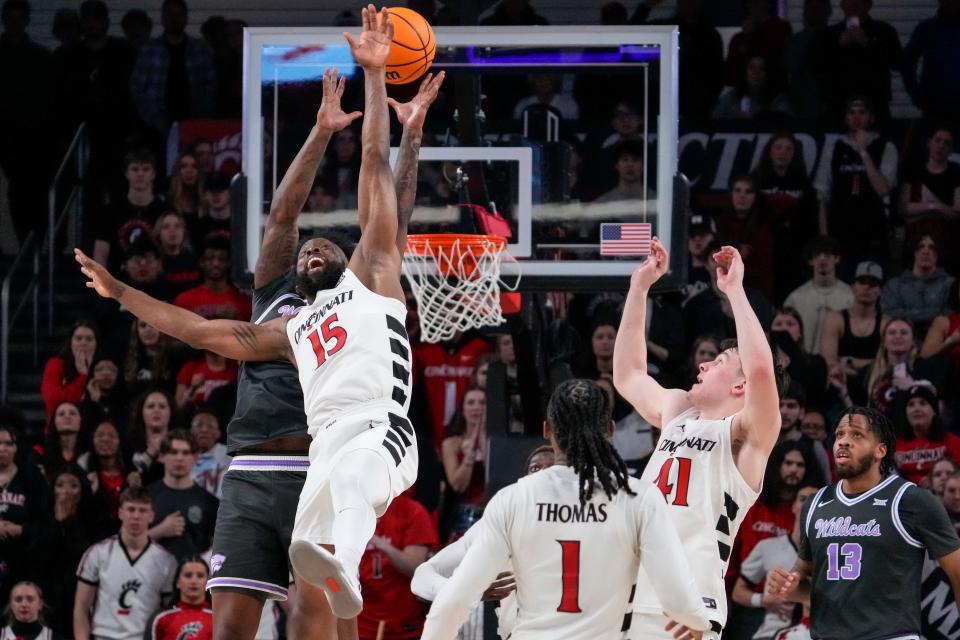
(352, 351)
(707, 499)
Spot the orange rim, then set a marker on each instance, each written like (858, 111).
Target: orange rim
(474, 243)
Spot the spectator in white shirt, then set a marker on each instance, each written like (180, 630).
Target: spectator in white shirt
(822, 293)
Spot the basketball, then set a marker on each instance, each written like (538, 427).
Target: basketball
(413, 48)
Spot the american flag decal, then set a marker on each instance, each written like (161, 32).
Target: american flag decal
(625, 239)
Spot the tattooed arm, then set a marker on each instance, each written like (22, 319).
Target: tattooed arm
(411, 115)
(229, 338)
(406, 182)
(279, 248)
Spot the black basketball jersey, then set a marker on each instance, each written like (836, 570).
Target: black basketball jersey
(269, 397)
(867, 552)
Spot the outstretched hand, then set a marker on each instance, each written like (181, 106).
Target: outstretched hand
(100, 279)
(412, 114)
(729, 269)
(330, 116)
(652, 268)
(373, 48)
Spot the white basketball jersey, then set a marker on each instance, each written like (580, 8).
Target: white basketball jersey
(128, 591)
(707, 499)
(575, 565)
(352, 352)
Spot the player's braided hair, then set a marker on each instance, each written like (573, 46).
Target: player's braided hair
(883, 428)
(579, 412)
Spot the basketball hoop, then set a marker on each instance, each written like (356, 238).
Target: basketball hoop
(456, 280)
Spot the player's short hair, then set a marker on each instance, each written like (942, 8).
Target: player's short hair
(780, 374)
(579, 411)
(136, 494)
(182, 435)
(881, 427)
(543, 448)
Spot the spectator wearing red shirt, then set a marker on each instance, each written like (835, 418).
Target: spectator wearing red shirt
(198, 379)
(922, 437)
(790, 467)
(443, 370)
(216, 297)
(65, 375)
(191, 617)
(403, 538)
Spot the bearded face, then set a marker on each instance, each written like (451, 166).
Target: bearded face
(320, 266)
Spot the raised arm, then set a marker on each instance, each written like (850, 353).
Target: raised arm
(229, 338)
(279, 248)
(757, 425)
(411, 115)
(376, 260)
(630, 376)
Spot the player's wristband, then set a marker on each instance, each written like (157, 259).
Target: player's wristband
(756, 601)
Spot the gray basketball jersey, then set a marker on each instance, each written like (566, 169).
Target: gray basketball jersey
(269, 398)
(867, 552)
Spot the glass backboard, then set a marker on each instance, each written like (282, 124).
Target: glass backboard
(560, 130)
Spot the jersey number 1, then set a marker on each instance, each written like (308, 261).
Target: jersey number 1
(682, 484)
(570, 577)
(326, 334)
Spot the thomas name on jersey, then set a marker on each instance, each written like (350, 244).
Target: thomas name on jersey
(693, 442)
(310, 320)
(553, 512)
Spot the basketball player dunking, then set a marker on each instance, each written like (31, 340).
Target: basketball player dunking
(574, 535)
(715, 438)
(267, 436)
(350, 349)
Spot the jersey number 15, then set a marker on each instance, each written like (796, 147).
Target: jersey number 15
(327, 339)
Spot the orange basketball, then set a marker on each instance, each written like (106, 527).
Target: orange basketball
(413, 48)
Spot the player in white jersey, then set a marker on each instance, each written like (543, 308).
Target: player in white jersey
(350, 347)
(431, 576)
(715, 438)
(575, 535)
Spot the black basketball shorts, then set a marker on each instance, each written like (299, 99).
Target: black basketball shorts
(254, 523)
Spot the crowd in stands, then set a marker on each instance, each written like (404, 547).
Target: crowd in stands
(852, 269)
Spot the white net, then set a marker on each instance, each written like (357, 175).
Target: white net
(456, 281)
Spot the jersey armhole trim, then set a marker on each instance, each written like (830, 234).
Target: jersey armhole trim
(92, 583)
(895, 513)
(813, 505)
